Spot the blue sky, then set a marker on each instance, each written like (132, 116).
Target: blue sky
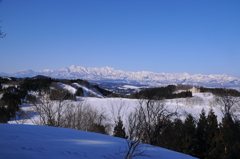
(172, 36)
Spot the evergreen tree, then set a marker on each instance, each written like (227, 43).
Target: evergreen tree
(231, 137)
(214, 138)
(119, 130)
(189, 138)
(172, 136)
(79, 92)
(165, 135)
(4, 117)
(201, 135)
(98, 128)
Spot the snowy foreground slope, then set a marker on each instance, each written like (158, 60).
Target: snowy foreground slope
(32, 141)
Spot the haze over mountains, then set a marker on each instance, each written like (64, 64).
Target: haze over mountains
(108, 74)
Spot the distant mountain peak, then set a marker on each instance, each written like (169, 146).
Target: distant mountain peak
(142, 77)
(47, 70)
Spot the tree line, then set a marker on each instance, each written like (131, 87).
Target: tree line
(220, 91)
(161, 93)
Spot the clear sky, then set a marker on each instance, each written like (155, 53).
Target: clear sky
(172, 36)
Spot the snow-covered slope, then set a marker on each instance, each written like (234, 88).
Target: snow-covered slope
(38, 142)
(69, 88)
(87, 91)
(143, 77)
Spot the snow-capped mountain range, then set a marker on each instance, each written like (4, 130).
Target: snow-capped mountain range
(108, 74)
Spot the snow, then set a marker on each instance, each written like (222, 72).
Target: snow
(69, 88)
(5, 86)
(183, 105)
(87, 90)
(8, 78)
(32, 141)
(130, 87)
(110, 106)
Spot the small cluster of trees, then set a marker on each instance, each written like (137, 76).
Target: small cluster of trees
(102, 91)
(203, 138)
(221, 91)
(36, 84)
(10, 103)
(161, 92)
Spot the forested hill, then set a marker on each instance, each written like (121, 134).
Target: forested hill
(43, 83)
(16, 91)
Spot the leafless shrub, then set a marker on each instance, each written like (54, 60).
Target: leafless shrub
(228, 105)
(82, 116)
(50, 108)
(53, 110)
(134, 146)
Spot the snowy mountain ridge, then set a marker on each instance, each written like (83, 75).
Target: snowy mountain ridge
(142, 77)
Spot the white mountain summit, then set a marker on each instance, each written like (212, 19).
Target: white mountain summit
(109, 74)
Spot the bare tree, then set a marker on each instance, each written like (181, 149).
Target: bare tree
(53, 110)
(146, 124)
(134, 146)
(153, 117)
(81, 116)
(2, 35)
(227, 104)
(50, 107)
(118, 108)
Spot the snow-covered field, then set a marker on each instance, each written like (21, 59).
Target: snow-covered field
(41, 142)
(182, 105)
(111, 106)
